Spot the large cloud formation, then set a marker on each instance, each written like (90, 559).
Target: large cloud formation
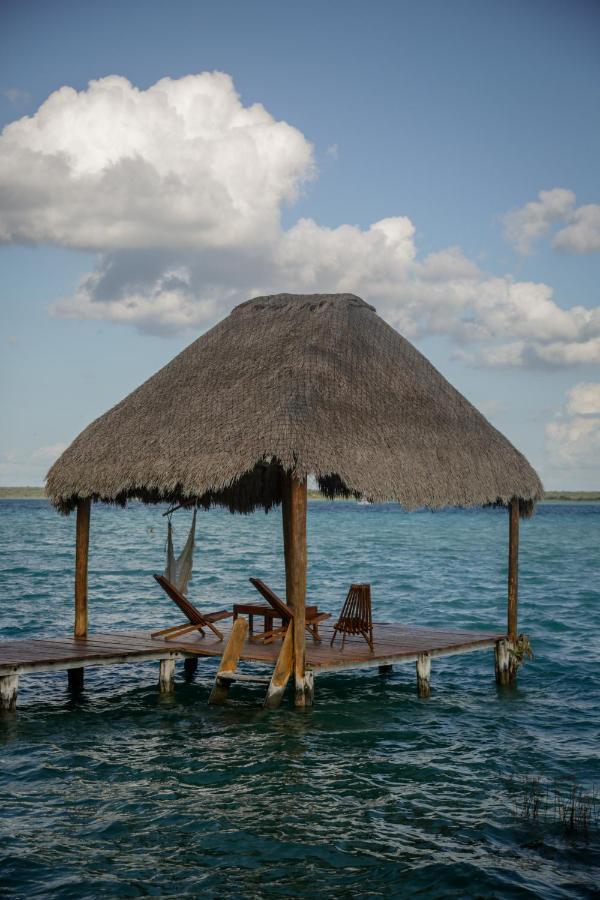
(180, 189)
(181, 165)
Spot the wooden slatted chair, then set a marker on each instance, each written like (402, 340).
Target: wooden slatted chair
(197, 621)
(286, 614)
(356, 616)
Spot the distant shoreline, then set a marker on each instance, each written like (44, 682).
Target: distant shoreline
(38, 493)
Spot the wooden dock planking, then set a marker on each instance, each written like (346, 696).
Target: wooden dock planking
(391, 639)
(62, 652)
(394, 643)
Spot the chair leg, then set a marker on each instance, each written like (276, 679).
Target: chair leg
(313, 630)
(333, 637)
(369, 641)
(213, 628)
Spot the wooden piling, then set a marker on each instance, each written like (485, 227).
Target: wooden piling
(82, 539)
(504, 663)
(513, 567)
(281, 673)
(166, 676)
(9, 686)
(229, 661)
(294, 502)
(424, 675)
(75, 680)
(190, 666)
(309, 688)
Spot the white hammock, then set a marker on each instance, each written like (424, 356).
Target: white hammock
(179, 571)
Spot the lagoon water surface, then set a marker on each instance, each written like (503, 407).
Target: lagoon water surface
(373, 792)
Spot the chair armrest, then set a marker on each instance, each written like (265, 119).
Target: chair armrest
(216, 616)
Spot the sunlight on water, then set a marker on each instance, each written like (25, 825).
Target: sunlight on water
(372, 792)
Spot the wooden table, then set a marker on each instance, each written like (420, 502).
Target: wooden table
(256, 609)
(261, 609)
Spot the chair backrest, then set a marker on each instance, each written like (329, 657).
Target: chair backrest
(356, 613)
(271, 597)
(187, 608)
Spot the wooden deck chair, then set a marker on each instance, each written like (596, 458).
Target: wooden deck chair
(312, 615)
(356, 616)
(197, 621)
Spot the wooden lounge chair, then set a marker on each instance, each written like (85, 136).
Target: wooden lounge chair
(356, 616)
(197, 621)
(286, 614)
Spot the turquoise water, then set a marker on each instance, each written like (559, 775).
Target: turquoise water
(373, 792)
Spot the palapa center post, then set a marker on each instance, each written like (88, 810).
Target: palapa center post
(293, 506)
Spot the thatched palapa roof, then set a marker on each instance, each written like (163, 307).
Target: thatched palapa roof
(318, 384)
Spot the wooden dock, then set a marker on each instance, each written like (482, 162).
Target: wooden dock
(393, 643)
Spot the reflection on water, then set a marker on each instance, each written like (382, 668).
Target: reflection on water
(372, 792)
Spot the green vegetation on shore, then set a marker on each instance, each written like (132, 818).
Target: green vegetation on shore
(572, 495)
(22, 493)
(38, 493)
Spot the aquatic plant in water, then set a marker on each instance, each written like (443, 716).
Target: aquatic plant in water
(521, 650)
(568, 804)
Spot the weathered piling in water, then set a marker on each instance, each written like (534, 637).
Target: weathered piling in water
(9, 686)
(423, 666)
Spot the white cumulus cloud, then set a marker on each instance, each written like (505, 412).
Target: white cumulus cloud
(582, 235)
(526, 225)
(573, 438)
(584, 399)
(580, 231)
(575, 441)
(181, 164)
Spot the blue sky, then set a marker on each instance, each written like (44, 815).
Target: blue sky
(418, 140)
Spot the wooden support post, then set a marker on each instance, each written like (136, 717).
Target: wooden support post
(9, 686)
(294, 500)
(75, 680)
(423, 675)
(281, 673)
(229, 660)
(504, 663)
(81, 567)
(513, 567)
(190, 665)
(309, 688)
(82, 539)
(166, 676)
